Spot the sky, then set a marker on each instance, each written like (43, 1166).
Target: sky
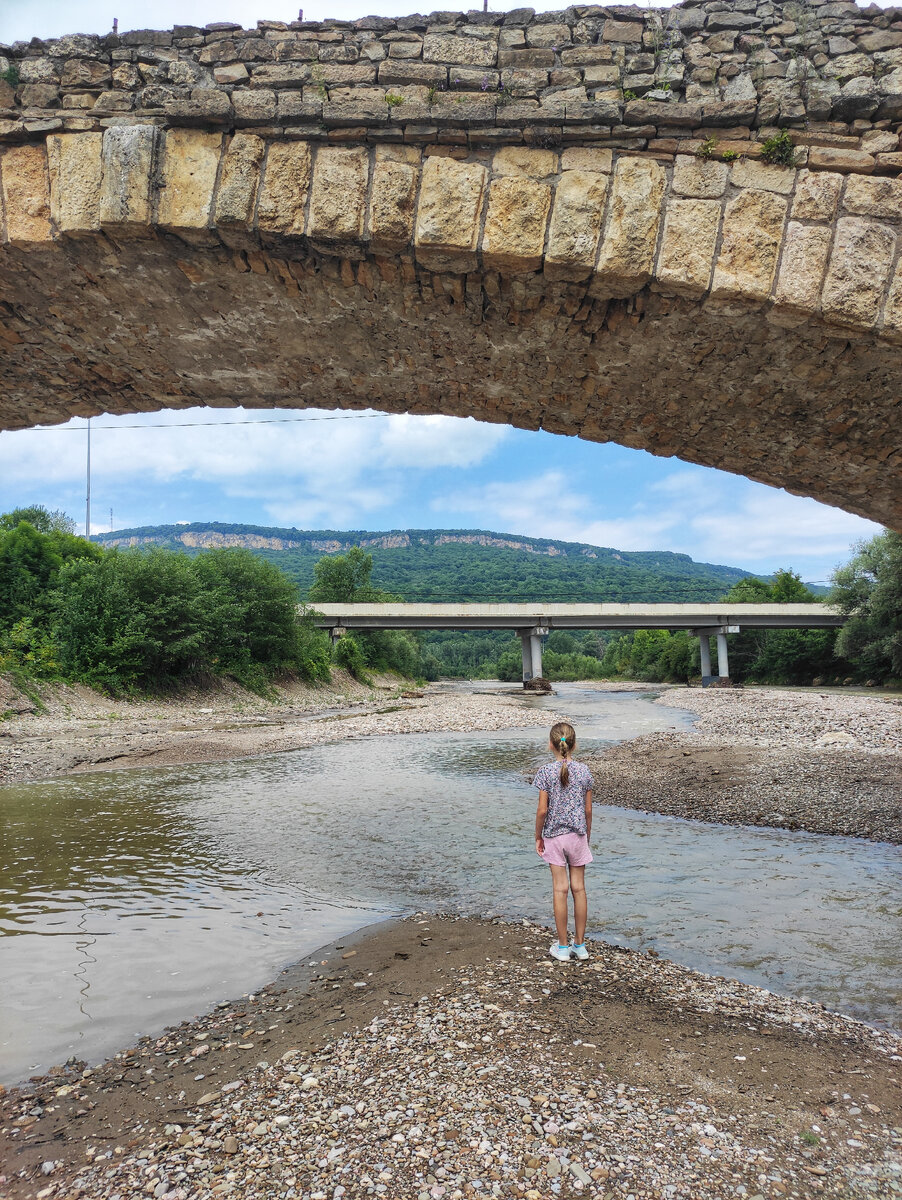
(376, 472)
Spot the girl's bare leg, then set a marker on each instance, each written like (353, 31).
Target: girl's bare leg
(561, 887)
(580, 903)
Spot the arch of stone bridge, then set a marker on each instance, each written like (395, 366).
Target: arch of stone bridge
(742, 316)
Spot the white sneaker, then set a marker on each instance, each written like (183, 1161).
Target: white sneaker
(561, 953)
(580, 952)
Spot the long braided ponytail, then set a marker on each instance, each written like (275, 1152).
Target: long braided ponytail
(563, 738)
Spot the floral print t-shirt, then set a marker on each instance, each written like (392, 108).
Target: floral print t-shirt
(566, 805)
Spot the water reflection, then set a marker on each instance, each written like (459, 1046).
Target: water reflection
(130, 900)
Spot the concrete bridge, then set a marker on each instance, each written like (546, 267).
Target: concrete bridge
(563, 221)
(534, 621)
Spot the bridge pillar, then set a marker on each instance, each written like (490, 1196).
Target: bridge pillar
(535, 644)
(531, 646)
(723, 665)
(526, 649)
(704, 646)
(337, 632)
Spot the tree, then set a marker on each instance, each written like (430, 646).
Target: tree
(29, 564)
(40, 518)
(868, 591)
(344, 579)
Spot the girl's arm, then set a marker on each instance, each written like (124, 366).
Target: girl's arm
(588, 814)
(541, 814)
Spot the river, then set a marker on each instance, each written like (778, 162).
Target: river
(131, 900)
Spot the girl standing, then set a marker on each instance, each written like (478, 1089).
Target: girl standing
(563, 828)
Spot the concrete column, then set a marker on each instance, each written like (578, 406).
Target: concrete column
(704, 645)
(535, 642)
(526, 647)
(723, 665)
(338, 632)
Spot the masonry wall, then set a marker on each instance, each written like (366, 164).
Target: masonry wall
(625, 77)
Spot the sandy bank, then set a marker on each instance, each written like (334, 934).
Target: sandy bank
(82, 731)
(824, 762)
(446, 1058)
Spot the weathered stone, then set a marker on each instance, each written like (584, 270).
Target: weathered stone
(393, 198)
(603, 75)
(553, 36)
(284, 189)
(883, 39)
(688, 244)
(817, 196)
(526, 58)
(26, 195)
(859, 270)
(622, 31)
(750, 174)
(874, 197)
(447, 225)
(237, 194)
(254, 106)
(126, 198)
(892, 313)
(233, 73)
(699, 178)
(828, 158)
(575, 228)
(190, 160)
(587, 158)
(514, 234)
(752, 231)
(401, 71)
(85, 73)
(281, 75)
(628, 249)
(446, 48)
(75, 165)
(338, 196)
(519, 160)
(802, 266)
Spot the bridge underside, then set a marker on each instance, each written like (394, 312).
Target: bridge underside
(94, 325)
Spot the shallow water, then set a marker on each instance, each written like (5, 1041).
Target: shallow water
(130, 900)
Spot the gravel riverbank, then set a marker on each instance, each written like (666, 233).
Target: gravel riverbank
(824, 762)
(440, 1058)
(80, 731)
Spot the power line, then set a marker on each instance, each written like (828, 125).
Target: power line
(202, 424)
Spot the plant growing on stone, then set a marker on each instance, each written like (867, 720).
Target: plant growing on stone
(319, 82)
(779, 150)
(11, 75)
(707, 149)
(729, 156)
(629, 94)
(392, 99)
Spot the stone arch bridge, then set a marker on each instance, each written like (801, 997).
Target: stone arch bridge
(562, 221)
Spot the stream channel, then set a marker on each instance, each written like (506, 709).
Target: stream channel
(131, 900)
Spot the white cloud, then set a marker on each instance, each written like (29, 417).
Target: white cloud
(694, 511)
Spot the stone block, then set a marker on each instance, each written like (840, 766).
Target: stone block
(280, 75)
(858, 272)
(622, 31)
(802, 266)
(284, 190)
(603, 75)
(817, 196)
(85, 73)
(874, 197)
(551, 36)
(233, 73)
(338, 196)
(752, 232)
(586, 56)
(519, 160)
(587, 158)
(129, 163)
(699, 178)
(526, 58)
(76, 171)
(688, 245)
(401, 71)
(514, 236)
(447, 225)
(393, 198)
(189, 162)
(892, 313)
(750, 174)
(465, 51)
(237, 193)
(652, 112)
(829, 158)
(576, 221)
(253, 106)
(627, 251)
(26, 195)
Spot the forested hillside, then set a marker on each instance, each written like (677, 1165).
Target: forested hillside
(461, 564)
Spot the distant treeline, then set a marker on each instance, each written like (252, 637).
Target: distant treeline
(147, 619)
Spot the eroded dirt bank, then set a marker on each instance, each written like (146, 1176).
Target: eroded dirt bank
(441, 1058)
(799, 759)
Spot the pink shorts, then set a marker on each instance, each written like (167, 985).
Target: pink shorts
(567, 850)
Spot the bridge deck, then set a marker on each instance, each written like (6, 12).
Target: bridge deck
(576, 616)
